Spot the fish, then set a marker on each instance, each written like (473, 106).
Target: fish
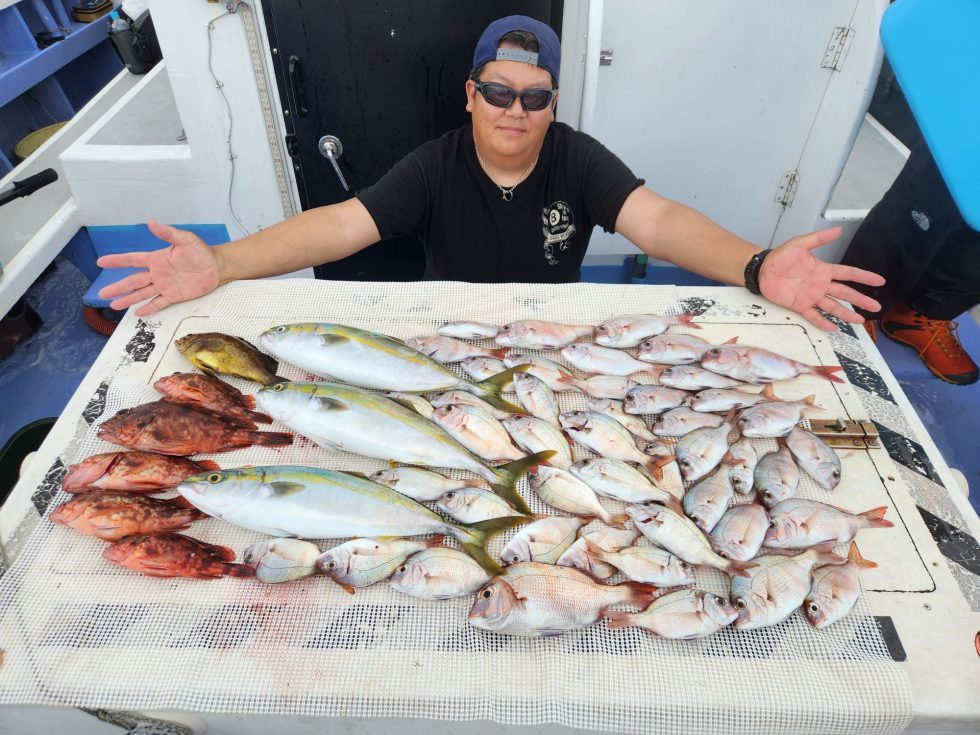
(815, 457)
(647, 399)
(468, 330)
(635, 425)
(706, 502)
(613, 478)
(776, 587)
(307, 502)
(417, 403)
(112, 514)
(282, 559)
(447, 349)
(175, 555)
(740, 532)
(649, 564)
(171, 428)
(797, 523)
(608, 539)
(776, 476)
(536, 397)
(438, 573)
(362, 562)
(460, 397)
(772, 419)
(211, 394)
(343, 417)
(555, 375)
(757, 365)
(835, 590)
(478, 431)
(674, 349)
(367, 359)
(629, 330)
(608, 438)
(213, 353)
(692, 377)
(725, 399)
(701, 450)
(684, 615)
(562, 490)
(615, 387)
(544, 541)
(474, 504)
(532, 334)
(682, 420)
(670, 480)
(481, 368)
(676, 533)
(534, 599)
(602, 360)
(422, 484)
(741, 469)
(536, 435)
(134, 472)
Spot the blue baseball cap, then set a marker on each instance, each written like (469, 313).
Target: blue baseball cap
(549, 49)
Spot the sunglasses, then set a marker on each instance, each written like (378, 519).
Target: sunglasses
(500, 96)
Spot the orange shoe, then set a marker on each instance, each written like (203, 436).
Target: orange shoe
(936, 342)
(871, 327)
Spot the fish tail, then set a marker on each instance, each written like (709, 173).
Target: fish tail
(499, 352)
(685, 319)
(207, 465)
(617, 519)
(271, 438)
(489, 389)
(258, 417)
(876, 517)
(640, 594)
(239, 570)
(854, 556)
(731, 341)
(508, 475)
(769, 392)
(618, 619)
(179, 501)
(828, 372)
(593, 550)
(474, 538)
(248, 401)
(825, 554)
(739, 568)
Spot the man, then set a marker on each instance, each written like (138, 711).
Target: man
(512, 197)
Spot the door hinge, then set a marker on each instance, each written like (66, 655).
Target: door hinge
(605, 57)
(787, 188)
(840, 42)
(844, 433)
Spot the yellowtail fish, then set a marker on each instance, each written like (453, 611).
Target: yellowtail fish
(629, 330)
(341, 417)
(835, 589)
(756, 365)
(370, 360)
(685, 615)
(213, 353)
(307, 502)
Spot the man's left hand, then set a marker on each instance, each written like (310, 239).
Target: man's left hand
(793, 277)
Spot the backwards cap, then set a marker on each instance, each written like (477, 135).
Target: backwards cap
(549, 49)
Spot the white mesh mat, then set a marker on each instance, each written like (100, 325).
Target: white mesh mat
(80, 631)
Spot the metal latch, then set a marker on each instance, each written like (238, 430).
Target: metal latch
(605, 57)
(840, 42)
(845, 433)
(786, 191)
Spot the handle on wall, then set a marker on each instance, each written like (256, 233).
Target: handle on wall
(299, 88)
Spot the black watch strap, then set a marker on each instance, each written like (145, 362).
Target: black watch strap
(752, 269)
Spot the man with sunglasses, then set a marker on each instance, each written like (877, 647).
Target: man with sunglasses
(514, 196)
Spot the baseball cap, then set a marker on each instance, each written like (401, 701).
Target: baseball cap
(549, 49)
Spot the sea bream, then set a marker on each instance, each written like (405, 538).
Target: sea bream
(422, 484)
(608, 438)
(461, 397)
(562, 490)
(798, 523)
(835, 590)
(757, 365)
(706, 502)
(532, 334)
(554, 375)
(693, 377)
(481, 368)
(647, 399)
(682, 420)
(474, 504)
(776, 476)
(478, 431)
(468, 330)
(701, 450)
(649, 564)
(369, 360)
(773, 418)
(362, 562)
(674, 349)
(725, 399)
(536, 397)
(602, 360)
(308, 502)
(439, 573)
(685, 615)
(740, 532)
(536, 435)
(447, 349)
(608, 539)
(815, 457)
(341, 417)
(742, 467)
(282, 559)
(545, 540)
(629, 330)
(613, 478)
(634, 424)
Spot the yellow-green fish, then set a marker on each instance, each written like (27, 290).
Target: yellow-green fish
(213, 352)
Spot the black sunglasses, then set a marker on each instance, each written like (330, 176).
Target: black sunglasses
(500, 96)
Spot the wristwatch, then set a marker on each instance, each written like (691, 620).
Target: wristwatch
(752, 269)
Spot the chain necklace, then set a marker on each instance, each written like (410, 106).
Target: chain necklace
(506, 193)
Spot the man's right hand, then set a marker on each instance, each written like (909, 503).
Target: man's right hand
(187, 269)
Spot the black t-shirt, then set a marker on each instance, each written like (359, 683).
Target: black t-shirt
(440, 192)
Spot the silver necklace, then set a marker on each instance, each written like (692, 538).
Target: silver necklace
(506, 193)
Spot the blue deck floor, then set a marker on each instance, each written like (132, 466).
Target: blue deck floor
(39, 378)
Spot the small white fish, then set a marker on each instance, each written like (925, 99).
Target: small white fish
(474, 504)
(544, 540)
(707, 501)
(725, 399)
(417, 403)
(603, 360)
(530, 431)
(797, 523)
(481, 368)
(478, 431)
(468, 330)
(635, 425)
(536, 397)
(742, 468)
(613, 478)
(649, 564)
(682, 420)
(462, 398)
(531, 334)
(447, 350)
(692, 377)
(362, 562)
(701, 450)
(835, 590)
(773, 418)
(562, 490)
(740, 532)
(758, 366)
(776, 476)
(608, 539)
(646, 399)
(815, 457)
(614, 387)
(421, 484)
(674, 349)
(631, 329)
(606, 437)
(685, 615)
(282, 559)
(555, 376)
(440, 573)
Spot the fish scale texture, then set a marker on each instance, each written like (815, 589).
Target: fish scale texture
(79, 631)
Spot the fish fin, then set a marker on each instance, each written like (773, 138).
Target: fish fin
(739, 568)
(223, 553)
(674, 504)
(331, 404)
(358, 474)
(593, 550)
(259, 417)
(685, 319)
(876, 517)
(474, 538)
(402, 402)
(769, 392)
(854, 556)
(332, 340)
(828, 372)
(508, 475)
(618, 519)
(499, 352)
(180, 501)
(205, 369)
(435, 541)
(207, 465)
(248, 401)
(239, 570)
(810, 400)
(617, 618)
(271, 438)
(283, 488)
(731, 341)
(641, 594)
(348, 588)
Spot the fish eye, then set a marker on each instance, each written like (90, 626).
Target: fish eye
(814, 607)
(723, 554)
(516, 558)
(451, 494)
(402, 569)
(739, 603)
(279, 387)
(685, 565)
(736, 481)
(767, 495)
(772, 524)
(695, 518)
(719, 600)
(487, 593)
(714, 351)
(685, 463)
(835, 474)
(214, 477)
(332, 565)
(280, 329)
